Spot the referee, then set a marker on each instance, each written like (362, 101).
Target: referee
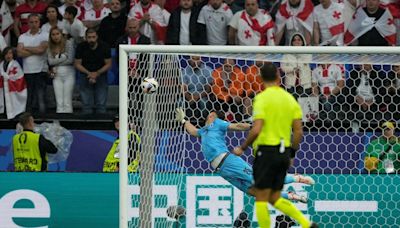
(275, 113)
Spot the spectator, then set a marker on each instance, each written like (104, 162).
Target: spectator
(393, 96)
(364, 88)
(22, 13)
(183, 28)
(92, 17)
(30, 149)
(133, 37)
(371, 26)
(53, 19)
(251, 26)
(7, 13)
(328, 24)
(113, 26)
(138, 66)
(60, 56)
(111, 163)
(349, 9)
(297, 70)
(93, 59)
(162, 32)
(3, 43)
(253, 78)
(197, 81)
(327, 83)
(13, 92)
(294, 16)
(229, 91)
(32, 47)
(215, 17)
(67, 3)
(151, 19)
(383, 154)
(73, 27)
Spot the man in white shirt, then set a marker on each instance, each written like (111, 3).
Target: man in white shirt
(151, 19)
(328, 24)
(73, 27)
(32, 47)
(67, 3)
(183, 28)
(92, 17)
(294, 16)
(251, 26)
(328, 82)
(216, 16)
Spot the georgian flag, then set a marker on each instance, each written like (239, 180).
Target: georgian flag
(336, 24)
(7, 21)
(156, 15)
(361, 24)
(258, 30)
(393, 6)
(13, 89)
(303, 15)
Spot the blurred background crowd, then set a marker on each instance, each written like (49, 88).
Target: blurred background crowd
(59, 57)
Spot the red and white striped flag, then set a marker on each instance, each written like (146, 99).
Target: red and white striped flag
(361, 24)
(302, 14)
(13, 89)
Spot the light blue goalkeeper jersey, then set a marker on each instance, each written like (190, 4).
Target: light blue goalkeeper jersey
(213, 139)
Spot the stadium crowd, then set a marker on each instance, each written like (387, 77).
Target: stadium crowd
(67, 45)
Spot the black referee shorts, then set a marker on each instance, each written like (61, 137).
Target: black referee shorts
(270, 167)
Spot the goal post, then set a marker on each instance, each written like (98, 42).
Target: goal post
(167, 156)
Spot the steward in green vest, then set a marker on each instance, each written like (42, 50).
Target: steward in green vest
(29, 148)
(111, 163)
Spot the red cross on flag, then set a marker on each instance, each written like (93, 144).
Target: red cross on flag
(361, 24)
(13, 88)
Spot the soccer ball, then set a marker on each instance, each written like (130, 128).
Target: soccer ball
(149, 85)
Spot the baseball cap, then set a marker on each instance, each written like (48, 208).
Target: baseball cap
(388, 124)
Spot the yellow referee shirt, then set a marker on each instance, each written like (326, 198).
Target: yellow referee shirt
(278, 109)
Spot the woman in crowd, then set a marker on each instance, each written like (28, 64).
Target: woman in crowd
(53, 19)
(60, 57)
(13, 92)
(297, 70)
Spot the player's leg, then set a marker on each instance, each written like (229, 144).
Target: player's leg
(282, 164)
(264, 170)
(238, 172)
(288, 208)
(298, 178)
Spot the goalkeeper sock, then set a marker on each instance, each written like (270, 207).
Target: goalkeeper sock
(263, 214)
(285, 195)
(289, 179)
(290, 210)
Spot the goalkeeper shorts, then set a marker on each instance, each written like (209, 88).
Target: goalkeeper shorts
(237, 172)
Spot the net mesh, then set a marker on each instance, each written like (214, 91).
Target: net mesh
(349, 102)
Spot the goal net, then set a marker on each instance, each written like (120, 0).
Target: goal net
(350, 101)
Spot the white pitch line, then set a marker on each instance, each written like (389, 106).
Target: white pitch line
(345, 206)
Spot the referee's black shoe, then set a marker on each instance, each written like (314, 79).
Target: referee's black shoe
(314, 225)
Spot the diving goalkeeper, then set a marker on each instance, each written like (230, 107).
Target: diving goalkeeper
(229, 166)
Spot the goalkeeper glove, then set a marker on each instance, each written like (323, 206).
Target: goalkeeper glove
(180, 115)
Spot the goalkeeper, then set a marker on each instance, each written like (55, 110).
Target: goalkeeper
(111, 163)
(231, 167)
